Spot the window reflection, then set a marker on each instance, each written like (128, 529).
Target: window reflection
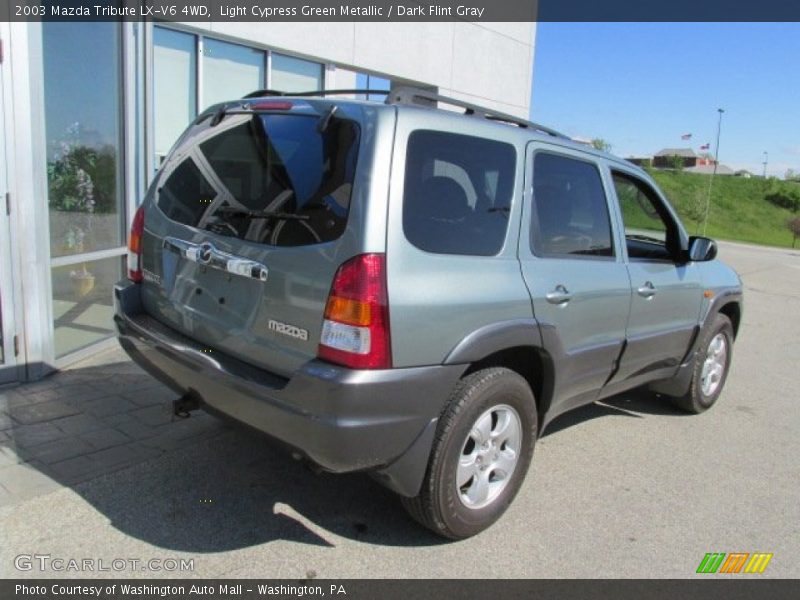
(82, 114)
(82, 309)
(291, 74)
(230, 71)
(174, 86)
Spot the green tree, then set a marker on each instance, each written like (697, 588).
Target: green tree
(676, 162)
(794, 226)
(601, 144)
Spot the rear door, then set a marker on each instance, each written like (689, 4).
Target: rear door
(573, 269)
(667, 292)
(246, 226)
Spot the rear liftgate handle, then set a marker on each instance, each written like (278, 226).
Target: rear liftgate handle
(208, 255)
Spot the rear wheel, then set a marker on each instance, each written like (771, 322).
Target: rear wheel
(711, 366)
(483, 446)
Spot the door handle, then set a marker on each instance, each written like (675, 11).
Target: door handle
(648, 290)
(560, 295)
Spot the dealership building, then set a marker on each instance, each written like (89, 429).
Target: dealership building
(89, 109)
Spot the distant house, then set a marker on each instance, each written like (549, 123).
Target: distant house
(665, 159)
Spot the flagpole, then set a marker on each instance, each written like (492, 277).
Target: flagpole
(714, 172)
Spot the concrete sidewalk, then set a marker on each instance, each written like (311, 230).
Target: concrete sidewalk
(99, 416)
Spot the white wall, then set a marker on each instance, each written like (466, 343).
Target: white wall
(486, 63)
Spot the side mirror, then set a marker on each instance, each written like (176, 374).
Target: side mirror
(702, 249)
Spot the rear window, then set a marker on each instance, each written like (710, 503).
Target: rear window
(273, 179)
(457, 194)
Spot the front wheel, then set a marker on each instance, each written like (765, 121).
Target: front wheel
(711, 365)
(484, 444)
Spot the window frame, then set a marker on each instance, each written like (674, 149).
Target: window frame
(664, 209)
(532, 220)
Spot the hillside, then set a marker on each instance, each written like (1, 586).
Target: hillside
(739, 210)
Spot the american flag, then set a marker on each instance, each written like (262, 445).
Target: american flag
(686, 136)
(705, 146)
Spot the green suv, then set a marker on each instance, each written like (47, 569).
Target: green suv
(412, 292)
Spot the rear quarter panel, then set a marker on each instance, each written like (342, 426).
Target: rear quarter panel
(436, 300)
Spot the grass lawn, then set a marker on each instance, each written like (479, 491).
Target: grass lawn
(738, 209)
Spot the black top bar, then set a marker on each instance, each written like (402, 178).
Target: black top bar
(259, 93)
(410, 95)
(420, 97)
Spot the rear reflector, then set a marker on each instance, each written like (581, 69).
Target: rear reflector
(355, 332)
(135, 246)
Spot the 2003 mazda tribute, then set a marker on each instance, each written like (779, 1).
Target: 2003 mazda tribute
(415, 293)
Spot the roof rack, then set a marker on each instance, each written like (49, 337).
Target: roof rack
(259, 93)
(421, 97)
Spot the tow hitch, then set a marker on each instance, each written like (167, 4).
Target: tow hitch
(184, 405)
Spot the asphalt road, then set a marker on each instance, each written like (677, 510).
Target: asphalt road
(627, 488)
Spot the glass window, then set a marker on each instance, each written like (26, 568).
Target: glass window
(82, 98)
(268, 178)
(570, 215)
(291, 74)
(458, 192)
(174, 86)
(650, 232)
(82, 305)
(230, 71)
(373, 82)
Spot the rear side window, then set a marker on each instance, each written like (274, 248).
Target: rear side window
(273, 179)
(457, 194)
(570, 215)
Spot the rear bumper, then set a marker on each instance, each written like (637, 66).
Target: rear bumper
(340, 419)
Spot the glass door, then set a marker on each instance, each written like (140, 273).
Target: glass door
(8, 367)
(82, 64)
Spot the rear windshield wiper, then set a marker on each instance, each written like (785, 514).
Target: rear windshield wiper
(262, 214)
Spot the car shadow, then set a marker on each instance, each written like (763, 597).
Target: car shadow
(633, 404)
(195, 485)
(199, 485)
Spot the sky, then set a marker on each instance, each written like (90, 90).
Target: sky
(641, 86)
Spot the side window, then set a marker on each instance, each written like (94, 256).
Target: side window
(570, 212)
(457, 194)
(650, 233)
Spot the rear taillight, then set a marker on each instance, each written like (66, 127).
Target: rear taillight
(355, 332)
(135, 246)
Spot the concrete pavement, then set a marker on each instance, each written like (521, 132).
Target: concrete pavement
(93, 466)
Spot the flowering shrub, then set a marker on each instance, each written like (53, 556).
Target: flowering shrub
(81, 180)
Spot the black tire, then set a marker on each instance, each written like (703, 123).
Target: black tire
(439, 506)
(696, 400)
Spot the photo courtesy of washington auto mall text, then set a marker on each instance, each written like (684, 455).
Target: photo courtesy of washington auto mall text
(75, 591)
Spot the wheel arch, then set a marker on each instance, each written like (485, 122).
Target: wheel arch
(515, 345)
(732, 310)
(532, 364)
